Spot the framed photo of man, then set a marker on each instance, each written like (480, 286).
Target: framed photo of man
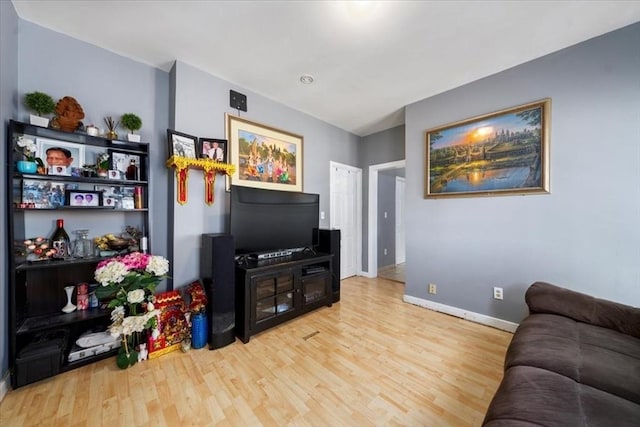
(60, 154)
(214, 149)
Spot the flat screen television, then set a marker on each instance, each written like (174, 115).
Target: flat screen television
(269, 220)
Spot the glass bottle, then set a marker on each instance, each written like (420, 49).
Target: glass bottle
(82, 246)
(132, 171)
(60, 240)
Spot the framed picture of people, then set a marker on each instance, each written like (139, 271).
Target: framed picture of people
(182, 145)
(214, 149)
(265, 157)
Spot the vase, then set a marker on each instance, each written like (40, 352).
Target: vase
(112, 135)
(69, 307)
(132, 137)
(198, 330)
(38, 121)
(27, 167)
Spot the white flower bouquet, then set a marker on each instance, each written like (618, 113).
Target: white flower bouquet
(130, 282)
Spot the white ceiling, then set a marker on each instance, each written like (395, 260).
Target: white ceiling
(366, 67)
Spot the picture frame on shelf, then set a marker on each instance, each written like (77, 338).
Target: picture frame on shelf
(497, 154)
(182, 144)
(120, 162)
(56, 194)
(265, 157)
(35, 193)
(111, 195)
(214, 149)
(59, 154)
(83, 198)
(128, 201)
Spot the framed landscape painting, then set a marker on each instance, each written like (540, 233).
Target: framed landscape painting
(496, 154)
(265, 157)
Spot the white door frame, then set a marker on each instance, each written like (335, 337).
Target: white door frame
(372, 253)
(400, 179)
(358, 172)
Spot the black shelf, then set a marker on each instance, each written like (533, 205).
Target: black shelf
(36, 288)
(82, 179)
(41, 323)
(77, 208)
(79, 137)
(52, 263)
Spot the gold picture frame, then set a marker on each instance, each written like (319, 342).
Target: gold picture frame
(265, 157)
(496, 154)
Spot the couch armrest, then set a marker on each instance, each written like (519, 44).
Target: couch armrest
(544, 297)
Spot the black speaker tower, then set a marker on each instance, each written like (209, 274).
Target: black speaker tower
(217, 272)
(329, 243)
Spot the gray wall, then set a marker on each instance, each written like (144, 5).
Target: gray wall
(585, 234)
(201, 100)
(105, 84)
(386, 226)
(8, 108)
(381, 147)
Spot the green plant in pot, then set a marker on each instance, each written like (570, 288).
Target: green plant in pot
(42, 104)
(133, 123)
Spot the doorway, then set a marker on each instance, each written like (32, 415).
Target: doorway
(372, 238)
(345, 184)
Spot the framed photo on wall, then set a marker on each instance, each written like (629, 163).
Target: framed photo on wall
(496, 154)
(214, 149)
(182, 144)
(265, 157)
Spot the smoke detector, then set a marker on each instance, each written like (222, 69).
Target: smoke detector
(306, 79)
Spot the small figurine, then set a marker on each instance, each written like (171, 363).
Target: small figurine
(143, 353)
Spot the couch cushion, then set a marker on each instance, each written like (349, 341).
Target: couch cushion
(544, 297)
(598, 357)
(530, 396)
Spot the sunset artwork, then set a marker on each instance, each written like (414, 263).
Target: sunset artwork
(497, 154)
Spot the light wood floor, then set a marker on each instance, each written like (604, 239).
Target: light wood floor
(369, 360)
(393, 272)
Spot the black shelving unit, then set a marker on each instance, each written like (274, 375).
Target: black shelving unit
(36, 288)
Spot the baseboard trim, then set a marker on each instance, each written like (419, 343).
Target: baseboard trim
(366, 274)
(4, 386)
(463, 314)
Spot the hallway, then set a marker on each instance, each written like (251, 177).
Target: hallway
(392, 272)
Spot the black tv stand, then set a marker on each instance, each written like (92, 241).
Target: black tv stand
(274, 290)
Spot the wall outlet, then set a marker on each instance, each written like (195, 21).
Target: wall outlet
(433, 288)
(385, 251)
(497, 293)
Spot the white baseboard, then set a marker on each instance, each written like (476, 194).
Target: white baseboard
(4, 386)
(366, 274)
(463, 314)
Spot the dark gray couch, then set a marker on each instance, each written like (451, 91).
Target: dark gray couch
(574, 361)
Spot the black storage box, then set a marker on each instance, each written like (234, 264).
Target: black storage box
(42, 357)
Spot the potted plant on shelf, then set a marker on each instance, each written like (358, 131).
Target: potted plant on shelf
(42, 104)
(29, 163)
(133, 123)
